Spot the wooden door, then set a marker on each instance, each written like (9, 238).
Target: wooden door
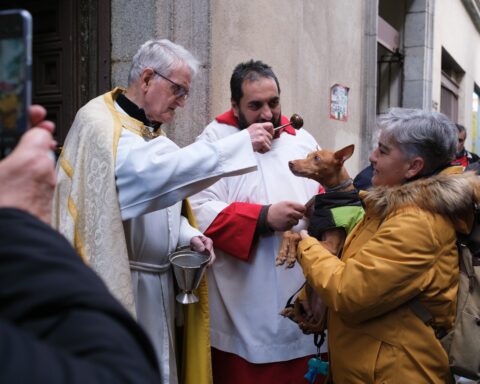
(71, 54)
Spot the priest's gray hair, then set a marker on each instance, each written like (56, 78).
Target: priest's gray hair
(163, 56)
(429, 135)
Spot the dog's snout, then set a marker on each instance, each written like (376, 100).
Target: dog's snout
(290, 164)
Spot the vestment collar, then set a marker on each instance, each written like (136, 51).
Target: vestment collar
(133, 110)
(132, 118)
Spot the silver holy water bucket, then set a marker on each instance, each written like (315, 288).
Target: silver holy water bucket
(188, 268)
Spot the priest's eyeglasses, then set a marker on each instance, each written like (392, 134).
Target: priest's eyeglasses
(179, 91)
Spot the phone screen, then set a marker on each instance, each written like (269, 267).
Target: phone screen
(15, 76)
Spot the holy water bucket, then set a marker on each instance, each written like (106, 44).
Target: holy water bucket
(188, 268)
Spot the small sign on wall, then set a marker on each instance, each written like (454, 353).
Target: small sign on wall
(339, 102)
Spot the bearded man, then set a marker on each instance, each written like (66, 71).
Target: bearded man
(245, 217)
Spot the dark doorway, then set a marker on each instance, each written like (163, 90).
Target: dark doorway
(71, 55)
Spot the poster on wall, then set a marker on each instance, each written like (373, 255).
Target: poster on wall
(339, 102)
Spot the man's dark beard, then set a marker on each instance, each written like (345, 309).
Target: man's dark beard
(242, 121)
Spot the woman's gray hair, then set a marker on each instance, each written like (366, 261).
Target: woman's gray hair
(429, 135)
(163, 56)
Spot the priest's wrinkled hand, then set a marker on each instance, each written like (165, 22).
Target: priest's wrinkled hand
(261, 135)
(203, 244)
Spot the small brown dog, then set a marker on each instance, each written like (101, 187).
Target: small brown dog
(327, 168)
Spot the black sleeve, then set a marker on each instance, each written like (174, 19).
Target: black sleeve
(58, 322)
(262, 226)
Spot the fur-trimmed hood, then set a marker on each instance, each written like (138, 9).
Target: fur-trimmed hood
(451, 195)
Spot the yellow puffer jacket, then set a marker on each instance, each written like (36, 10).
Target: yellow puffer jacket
(403, 248)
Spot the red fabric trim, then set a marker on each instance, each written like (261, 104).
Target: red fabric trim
(227, 118)
(233, 229)
(232, 369)
(289, 129)
(463, 161)
(230, 119)
(285, 120)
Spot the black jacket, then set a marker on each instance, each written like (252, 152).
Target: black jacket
(58, 322)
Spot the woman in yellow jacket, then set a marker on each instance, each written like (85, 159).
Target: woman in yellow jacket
(404, 248)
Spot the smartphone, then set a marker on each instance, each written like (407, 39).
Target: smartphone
(15, 76)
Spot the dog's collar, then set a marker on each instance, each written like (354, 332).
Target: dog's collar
(339, 187)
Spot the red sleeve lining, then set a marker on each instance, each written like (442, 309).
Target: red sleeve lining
(233, 230)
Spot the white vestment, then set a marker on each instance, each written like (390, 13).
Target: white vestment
(151, 237)
(245, 298)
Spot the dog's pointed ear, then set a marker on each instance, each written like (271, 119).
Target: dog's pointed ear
(344, 153)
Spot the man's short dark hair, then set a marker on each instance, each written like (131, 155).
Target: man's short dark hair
(250, 70)
(460, 128)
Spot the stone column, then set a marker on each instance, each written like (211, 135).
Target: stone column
(369, 79)
(418, 46)
(188, 23)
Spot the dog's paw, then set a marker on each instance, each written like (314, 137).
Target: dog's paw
(292, 314)
(311, 327)
(288, 249)
(280, 260)
(288, 312)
